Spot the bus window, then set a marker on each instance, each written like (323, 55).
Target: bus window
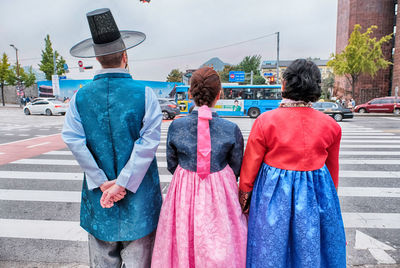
(228, 93)
(181, 96)
(259, 93)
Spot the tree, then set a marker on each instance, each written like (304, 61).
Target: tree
(4, 74)
(258, 80)
(327, 85)
(224, 74)
(362, 55)
(47, 63)
(175, 76)
(250, 63)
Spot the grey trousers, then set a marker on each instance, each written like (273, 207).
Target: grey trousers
(129, 254)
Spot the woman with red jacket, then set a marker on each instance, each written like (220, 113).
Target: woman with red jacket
(290, 172)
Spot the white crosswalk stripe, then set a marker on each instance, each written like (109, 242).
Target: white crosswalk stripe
(361, 147)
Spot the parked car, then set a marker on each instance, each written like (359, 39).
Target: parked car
(46, 106)
(335, 110)
(380, 105)
(168, 108)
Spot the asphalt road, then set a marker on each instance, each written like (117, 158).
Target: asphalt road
(40, 186)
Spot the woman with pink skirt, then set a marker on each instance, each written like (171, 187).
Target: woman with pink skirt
(201, 223)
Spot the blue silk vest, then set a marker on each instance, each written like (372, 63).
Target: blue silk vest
(112, 108)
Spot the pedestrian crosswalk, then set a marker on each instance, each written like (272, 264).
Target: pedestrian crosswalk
(40, 196)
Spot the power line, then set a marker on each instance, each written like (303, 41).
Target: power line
(179, 55)
(204, 50)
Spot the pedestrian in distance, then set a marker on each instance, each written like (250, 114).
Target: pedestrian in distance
(201, 222)
(288, 179)
(113, 128)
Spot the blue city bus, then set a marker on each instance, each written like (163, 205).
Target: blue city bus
(237, 100)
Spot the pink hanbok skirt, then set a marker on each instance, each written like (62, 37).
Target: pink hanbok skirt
(201, 223)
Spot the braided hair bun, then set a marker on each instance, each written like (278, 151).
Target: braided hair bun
(204, 86)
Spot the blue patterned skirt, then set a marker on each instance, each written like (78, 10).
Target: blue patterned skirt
(295, 220)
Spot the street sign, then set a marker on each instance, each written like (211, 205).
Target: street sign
(236, 76)
(55, 84)
(62, 77)
(80, 64)
(268, 74)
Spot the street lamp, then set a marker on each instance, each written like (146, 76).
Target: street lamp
(16, 55)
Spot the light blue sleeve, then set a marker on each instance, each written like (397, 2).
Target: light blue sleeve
(145, 147)
(73, 135)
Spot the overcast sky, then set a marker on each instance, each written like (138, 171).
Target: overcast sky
(173, 27)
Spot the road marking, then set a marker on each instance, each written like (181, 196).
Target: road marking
(59, 153)
(369, 192)
(75, 196)
(59, 162)
(40, 196)
(70, 153)
(27, 175)
(370, 141)
(56, 162)
(370, 161)
(23, 135)
(369, 174)
(39, 229)
(375, 247)
(41, 175)
(371, 220)
(368, 134)
(9, 134)
(39, 144)
(48, 136)
(391, 118)
(369, 146)
(371, 137)
(71, 231)
(369, 152)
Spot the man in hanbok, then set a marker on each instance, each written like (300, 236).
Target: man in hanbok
(113, 129)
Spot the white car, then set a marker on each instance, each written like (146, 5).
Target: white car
(47, 107)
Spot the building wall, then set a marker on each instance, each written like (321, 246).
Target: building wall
(396, 58)
(366, 13)
(10, 93)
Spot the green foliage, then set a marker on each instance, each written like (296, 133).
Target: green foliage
(26, 78)
(258, 80)
(4, 70)
(175, 76)
(250, 63)
(362, 55)
(47, 64)
(224, 74)
(4, 74)
(327, 84)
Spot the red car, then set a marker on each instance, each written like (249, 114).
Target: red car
(380, 105)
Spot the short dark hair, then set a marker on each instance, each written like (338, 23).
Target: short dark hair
(111, 60)
(205, 86)
(303, 81)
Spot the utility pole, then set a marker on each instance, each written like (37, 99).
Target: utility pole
(277, 57)
(54, 62)
(16, 55)
(18, 78)
(251, 77)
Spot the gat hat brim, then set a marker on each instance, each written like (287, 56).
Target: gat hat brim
(88, 49)
(106, 37)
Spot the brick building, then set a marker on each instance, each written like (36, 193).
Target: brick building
(366, 13)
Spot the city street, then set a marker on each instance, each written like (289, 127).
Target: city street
(40, 184)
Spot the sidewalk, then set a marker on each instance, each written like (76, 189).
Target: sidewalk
(375, 114)
(9, 105)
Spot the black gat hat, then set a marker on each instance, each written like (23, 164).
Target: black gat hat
(106, 38)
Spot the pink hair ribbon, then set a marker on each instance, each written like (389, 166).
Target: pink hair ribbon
(203, 142)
